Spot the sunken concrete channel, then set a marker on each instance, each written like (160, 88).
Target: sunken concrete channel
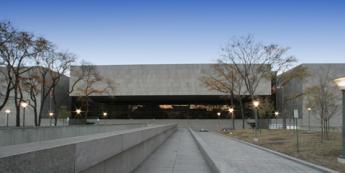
(118, 151)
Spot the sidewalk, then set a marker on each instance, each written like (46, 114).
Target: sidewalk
(242, 158)
(179, 154)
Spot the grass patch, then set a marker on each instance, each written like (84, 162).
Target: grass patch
(311, 149)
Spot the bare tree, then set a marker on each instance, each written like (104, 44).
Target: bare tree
(322, 99)
(31, 85)
(266, 108)
(18, 52)
(57, 64)
(7, 35)
(254, 61)
(43, 80)
(223, 78)
(89, 82)
(281, 80)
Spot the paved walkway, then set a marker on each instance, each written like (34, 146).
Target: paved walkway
(179, 154)
(241, 158)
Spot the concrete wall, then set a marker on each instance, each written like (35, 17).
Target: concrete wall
(13, 136)
(317, 73)
(117, 151)
(324, 72)
(158, 80)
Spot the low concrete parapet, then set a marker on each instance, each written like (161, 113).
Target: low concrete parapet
(19, 135)
(116, 151)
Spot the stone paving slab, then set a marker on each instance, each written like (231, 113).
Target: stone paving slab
(242, 158)
(179, 154)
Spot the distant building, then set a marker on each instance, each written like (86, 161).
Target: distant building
(62, 99)
(298, 88)
(155, 91)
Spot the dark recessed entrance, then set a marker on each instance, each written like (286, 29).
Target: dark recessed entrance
(158, 107)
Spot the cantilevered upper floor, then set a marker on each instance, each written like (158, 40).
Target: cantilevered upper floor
(156, 80)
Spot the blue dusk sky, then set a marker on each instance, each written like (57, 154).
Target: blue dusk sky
(174, 32)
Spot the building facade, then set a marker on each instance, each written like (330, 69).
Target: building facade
(62, 99)
(153, 91)
(296, 95)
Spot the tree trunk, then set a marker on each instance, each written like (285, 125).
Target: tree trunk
(232, 114)
(326, 130)
(43, 100)
(35, 114)
(56, 113)
(321, 130)
(283, 109)
(17, 115)
(242, 113)
(7, 95)
(17, 107)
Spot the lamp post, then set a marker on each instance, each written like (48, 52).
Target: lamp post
(105, 114)
(309, 109)
(78, 111)
(51, 114)
(276, 113)
(218, 114)
(23, 104)
(7, 111)
(231, 110)
(341, 84)
(256, 104)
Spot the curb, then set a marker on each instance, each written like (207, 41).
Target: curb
(205, 152)
(311, 165)
(216, 164)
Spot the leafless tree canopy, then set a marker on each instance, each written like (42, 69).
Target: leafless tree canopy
(254, 61)
(243, 65)
(30, 65)
(89, 82)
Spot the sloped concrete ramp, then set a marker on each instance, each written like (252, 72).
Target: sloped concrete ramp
(179, 154)
(233, 156)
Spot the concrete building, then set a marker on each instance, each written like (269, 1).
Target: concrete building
(153, 91)
(62, 99)
(318, 74)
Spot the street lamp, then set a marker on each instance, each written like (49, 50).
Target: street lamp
(78, 111)
(23, 104)
(231, 110)
(218, 114)
(51, 114)
(7, 111)
(276, 113)
(309, 110)
(105, 114)
(341, 84)
(256, 104)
